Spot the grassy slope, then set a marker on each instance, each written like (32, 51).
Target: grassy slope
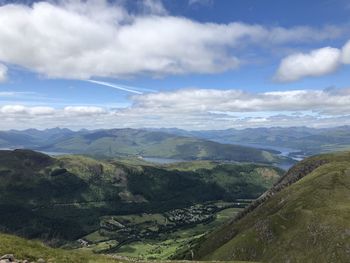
(308, 221)
(34, 250)
(203, 182)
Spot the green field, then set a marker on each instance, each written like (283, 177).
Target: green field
(163, 244)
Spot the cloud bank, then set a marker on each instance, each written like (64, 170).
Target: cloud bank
(84, 39)
(194, 109)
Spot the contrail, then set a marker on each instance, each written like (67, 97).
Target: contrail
(115, 86)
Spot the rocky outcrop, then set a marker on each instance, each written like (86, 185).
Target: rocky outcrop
(294, 174)
(8, 258)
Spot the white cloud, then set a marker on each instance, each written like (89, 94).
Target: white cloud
(83, 110)
(316, 63)
(194, 109)
(78, 39)
(22, 110)
(3, 73)
(13, 109)
(16, 110)
(194, 101)
(346, 53)
(154, 7)
(41, 110)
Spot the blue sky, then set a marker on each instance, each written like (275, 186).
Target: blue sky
(225, 56)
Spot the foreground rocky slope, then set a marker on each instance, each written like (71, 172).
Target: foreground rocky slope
(305, 217)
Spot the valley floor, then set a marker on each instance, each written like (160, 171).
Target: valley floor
(157, 236)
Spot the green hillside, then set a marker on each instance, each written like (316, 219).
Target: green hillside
(304, 218)
(23, 249)
(62, 199)
(130, 142)
(34, 251)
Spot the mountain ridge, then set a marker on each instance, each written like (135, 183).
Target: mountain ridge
(134, 142)
(306, 210)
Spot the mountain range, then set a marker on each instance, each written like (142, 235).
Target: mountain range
(131, 142)
(303, 140)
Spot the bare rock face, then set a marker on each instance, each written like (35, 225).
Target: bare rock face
(8, 258)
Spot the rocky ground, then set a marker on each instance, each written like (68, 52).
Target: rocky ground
(11, 258)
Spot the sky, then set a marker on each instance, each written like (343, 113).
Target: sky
(189, 64)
